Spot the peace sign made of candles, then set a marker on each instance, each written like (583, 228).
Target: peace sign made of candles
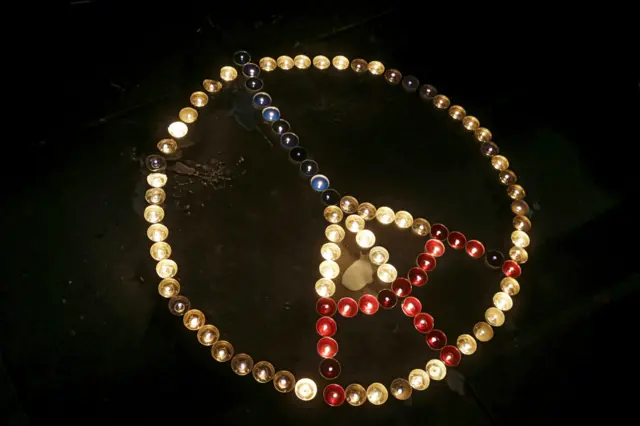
(347, 225)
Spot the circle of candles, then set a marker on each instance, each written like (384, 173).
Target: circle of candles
(306, 389)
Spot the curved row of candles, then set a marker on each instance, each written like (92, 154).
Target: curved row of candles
(263, 371)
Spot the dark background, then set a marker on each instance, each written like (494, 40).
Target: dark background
(85, 336)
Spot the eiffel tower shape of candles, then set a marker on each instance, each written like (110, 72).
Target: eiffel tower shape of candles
(347, 218)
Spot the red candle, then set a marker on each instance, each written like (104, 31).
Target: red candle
(439, 231)
(387, 298)
(411, 306)
(457, 240)
(434, 247)
(368, 304)
(426, 262)
(333, 395)
(475, 249)
(418, 277)
(327, 347)
(436, 339)
(423, 322)
(330, 368)
(326, 326)
(402, 287)
(511, 269)
(450, 355)
(326, 306)
(347, 307)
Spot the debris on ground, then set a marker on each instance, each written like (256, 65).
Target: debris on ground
(184, 177)
(214, 172)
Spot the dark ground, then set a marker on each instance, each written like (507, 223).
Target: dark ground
(85, 336)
